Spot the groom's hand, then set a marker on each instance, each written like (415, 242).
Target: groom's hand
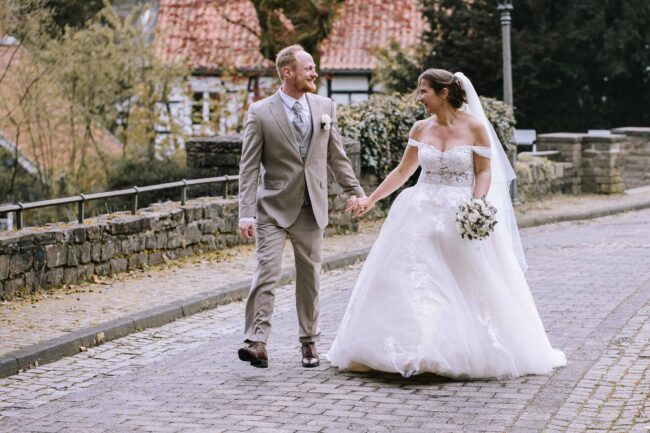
(247, 229)
(352, 204)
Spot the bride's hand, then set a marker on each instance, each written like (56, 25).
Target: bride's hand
(363, 206)
(352, 204)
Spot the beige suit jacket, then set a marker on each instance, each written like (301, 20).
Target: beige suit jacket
(273, 176)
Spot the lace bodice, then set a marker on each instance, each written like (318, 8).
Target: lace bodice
(453, 167)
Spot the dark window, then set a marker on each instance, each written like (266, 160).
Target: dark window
(216, 101)
(197, 108)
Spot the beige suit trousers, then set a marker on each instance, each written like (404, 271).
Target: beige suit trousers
(307, 239)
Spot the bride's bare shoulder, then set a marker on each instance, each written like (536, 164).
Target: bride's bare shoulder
(472, 122)
(418, 127)
(477, 129)
(469, 119)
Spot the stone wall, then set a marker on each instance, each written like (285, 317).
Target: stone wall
(603, 164)
(636, 152)
(538, 177)
(569, 148)
(575, 163)
(58, 254)
(214, 156)
(35, 258)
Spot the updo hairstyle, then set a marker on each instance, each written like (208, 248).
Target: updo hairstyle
(440, 79)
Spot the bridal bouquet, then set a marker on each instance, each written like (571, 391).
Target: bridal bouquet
(476, 219)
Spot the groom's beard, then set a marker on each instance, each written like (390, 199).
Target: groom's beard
(308, 86)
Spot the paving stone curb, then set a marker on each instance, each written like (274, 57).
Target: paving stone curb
(70, 344)
(533, 221)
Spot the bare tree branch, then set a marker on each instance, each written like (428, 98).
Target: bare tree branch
(240, 23)
(11, 59)
(14, 173)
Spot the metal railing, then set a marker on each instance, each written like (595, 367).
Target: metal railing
(82, 199)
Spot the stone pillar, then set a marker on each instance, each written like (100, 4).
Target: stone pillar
(570, 147)
(214, 156)
(636, 151)
(603, 163)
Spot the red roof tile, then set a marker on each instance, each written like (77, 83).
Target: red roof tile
(207, 34)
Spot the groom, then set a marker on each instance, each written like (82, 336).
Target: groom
(290, 139)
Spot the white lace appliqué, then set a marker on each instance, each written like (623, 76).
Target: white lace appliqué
(453, 167)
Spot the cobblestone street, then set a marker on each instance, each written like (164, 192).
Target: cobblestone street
(591, 281)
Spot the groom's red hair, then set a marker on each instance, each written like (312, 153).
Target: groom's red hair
(287, 58)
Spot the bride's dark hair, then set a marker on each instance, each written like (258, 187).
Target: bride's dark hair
(440, 79)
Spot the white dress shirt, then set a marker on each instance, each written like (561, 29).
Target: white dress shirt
(287, 103)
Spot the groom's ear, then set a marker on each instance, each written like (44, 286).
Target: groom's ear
(286, 73)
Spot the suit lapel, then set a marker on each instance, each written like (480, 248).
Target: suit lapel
(280, 116)
(315, 121)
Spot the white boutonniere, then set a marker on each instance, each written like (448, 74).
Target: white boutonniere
(325, 122)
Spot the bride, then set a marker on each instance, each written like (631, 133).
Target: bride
(426, 299)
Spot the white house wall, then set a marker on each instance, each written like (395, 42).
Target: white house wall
(348, 88)
(350, 83)
(355, 86)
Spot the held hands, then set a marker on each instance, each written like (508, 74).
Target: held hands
(358, 206)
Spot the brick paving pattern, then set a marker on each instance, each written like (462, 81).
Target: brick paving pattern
(591, 281)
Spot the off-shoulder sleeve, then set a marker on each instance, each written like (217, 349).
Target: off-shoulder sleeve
(413, 143)
(485, 152)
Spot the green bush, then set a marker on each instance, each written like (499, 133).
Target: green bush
(502, 119)
(382, 123)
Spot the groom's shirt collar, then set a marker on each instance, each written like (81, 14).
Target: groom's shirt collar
(288, 102)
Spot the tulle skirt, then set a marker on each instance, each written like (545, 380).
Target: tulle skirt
(427, 300)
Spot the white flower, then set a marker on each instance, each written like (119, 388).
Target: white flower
(476, 219)
(325, 122)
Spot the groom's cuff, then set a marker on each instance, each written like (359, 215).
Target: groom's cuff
(247, 219)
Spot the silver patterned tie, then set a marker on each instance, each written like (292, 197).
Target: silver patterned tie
(299, 123)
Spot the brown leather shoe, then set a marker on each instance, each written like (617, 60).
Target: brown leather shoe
(309, 355)
(255, 353)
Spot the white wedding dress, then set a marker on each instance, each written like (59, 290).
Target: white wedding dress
(427, 300)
